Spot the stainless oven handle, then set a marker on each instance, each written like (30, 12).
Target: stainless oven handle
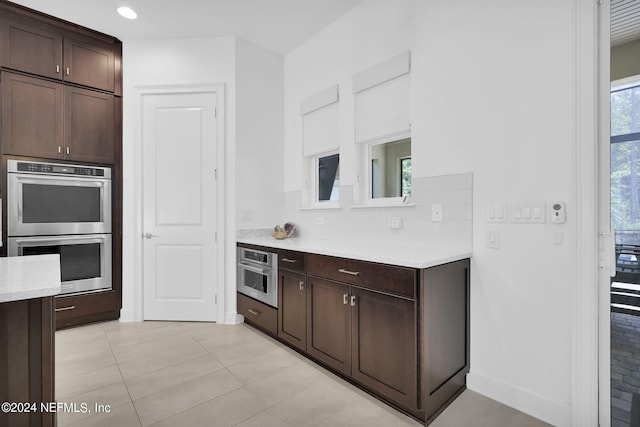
(254, 269)
(79, 239)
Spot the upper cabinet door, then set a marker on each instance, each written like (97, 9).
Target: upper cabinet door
(32, 116)
(31, 49)
(89, 131)
(89, 63)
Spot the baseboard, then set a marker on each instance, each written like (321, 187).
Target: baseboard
(233, 318)
(551, 412)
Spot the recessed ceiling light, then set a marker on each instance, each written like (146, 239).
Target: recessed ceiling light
(127, 12)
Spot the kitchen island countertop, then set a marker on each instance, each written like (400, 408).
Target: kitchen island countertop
(410, 254)
(26, 277)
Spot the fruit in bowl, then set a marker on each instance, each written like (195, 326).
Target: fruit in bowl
(282, 232)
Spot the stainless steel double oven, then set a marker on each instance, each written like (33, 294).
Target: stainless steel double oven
(63, 209)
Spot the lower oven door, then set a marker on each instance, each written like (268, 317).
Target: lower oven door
(85, 260)
(259, 283)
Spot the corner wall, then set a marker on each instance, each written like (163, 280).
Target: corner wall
(492, 95)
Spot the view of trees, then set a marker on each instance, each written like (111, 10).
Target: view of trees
(625, 121)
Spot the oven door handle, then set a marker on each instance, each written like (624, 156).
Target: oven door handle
(254, 269)
(66, 239)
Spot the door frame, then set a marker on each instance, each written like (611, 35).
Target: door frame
(606, 261)
(221, 174)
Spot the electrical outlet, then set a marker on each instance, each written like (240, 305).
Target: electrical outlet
(319, 220)
(436, 213)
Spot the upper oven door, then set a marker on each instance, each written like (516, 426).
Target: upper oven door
(54, 205)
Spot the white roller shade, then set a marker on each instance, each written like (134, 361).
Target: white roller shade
(383, 110)
(320, 119)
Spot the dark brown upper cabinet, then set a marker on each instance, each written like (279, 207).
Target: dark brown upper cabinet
(32, 116)
(30, 49)
(45, 119)
(40, 50)
(89, 133)
(89, 63)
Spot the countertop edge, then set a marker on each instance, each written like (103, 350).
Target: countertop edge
(431, 257)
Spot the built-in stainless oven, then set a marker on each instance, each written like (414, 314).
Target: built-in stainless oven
(85, 260)
(56, 199)
(258, 275)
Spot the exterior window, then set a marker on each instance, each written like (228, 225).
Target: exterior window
(328, 177)
(389, 169)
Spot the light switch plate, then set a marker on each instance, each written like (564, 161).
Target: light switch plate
(395, 222)
(528, 212)
(497, 212)
(492, 239)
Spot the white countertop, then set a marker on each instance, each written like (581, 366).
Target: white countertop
(26, 277)
(405, 254)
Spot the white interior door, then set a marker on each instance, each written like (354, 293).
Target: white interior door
(179, 139)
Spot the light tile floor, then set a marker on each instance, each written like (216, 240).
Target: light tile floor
(165, 374)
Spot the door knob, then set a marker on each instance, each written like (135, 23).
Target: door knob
(148, 235)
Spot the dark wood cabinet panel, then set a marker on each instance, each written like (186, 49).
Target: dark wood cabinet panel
(258, 314)
(31, 49)
(89, 125)
(384, 343)
(26, 360)
(329, 323)
(89, 63)
(386, 278)
(292, 308)
(75, 310)
(446, 337)
(32, 116)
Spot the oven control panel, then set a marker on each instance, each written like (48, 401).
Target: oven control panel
(58, 169)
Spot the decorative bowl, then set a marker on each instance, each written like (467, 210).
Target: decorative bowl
(279, 234)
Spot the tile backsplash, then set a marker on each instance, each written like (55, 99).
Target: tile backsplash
(453, 192)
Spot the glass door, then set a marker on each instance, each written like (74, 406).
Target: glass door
(625, 286)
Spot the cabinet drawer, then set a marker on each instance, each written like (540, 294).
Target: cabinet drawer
(385, 278)
(258, 314)
(292, 260)
(85, 305)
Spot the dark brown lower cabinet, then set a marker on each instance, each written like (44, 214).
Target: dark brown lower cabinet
(400, 333)
(367, 335)
(329, 323)
(258, 314)
(292, 315)
(27, 361)
(384, 341)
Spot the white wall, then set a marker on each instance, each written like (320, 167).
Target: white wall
(168, 62)
(259, 136)
(491, 95)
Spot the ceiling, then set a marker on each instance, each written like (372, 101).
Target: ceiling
(625, 21)
(277, 25)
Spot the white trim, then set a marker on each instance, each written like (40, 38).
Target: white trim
(540, 407)
(584, 138)
(603, 103)
(222, 314)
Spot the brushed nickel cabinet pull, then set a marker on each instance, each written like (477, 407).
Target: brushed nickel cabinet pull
(353, 301)
(302, 286)
(345, 298)
(254, 312)
(68, 150)
(59, 149)
(57, 69)
(292, 261)
(68, 72)
(352, 273)
(71, 307)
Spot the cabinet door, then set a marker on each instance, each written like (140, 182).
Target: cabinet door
(384, 345)
(89, 125)
(329, 323)
(30, 49)
(292, 309)
(32, 114)
(89, 63)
